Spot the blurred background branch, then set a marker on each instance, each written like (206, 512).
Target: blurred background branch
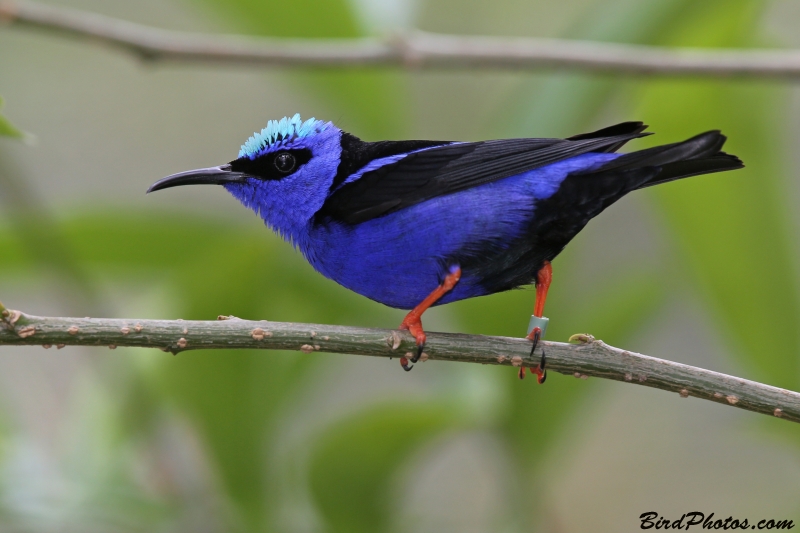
(414, 49)
(589, 358)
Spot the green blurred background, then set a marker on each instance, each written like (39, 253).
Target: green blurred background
(702, 271)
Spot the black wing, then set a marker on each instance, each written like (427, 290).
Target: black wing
(454, 167)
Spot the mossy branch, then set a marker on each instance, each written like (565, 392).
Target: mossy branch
(587, 358)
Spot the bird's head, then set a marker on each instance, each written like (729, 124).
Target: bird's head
(283, 173)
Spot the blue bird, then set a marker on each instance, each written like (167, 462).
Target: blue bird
(412, 224)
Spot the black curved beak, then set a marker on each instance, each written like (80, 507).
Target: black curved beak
(202, 176)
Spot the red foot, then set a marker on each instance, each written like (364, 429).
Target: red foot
(413, 320)
(415, 328)
(541, 375)
(539, 370)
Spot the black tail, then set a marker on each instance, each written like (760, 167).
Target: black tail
(699, 155)
(624, 128)
(584, 195)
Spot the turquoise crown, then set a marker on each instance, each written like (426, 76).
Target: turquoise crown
(278, 132)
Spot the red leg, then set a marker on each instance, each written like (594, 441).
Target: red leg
(413, 320)
(543, 279)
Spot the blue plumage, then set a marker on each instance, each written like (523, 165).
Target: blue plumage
(412, 224)
(287, 205)
(399, 258)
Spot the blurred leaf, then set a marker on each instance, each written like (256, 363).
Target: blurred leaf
(612, 313)
(7, 129)
(733, 228)
(235, 397)
(36, 239)
(140, 240)
(537, 415)
(356, 460)
(562, 104)
(214, 267)
(327, 19)
(371, 103)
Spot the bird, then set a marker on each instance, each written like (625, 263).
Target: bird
(418, 223)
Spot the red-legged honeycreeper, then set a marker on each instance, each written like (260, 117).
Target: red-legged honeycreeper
(412, 224)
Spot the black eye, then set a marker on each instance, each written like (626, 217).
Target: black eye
(285, 162)
(271, 165)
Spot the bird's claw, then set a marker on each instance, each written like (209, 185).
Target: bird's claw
(405, 365)
(415, 328)
(414, 358)
(418, 353)
(540, 370)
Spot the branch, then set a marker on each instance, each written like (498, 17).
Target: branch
(414, 49)
(590, 358)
